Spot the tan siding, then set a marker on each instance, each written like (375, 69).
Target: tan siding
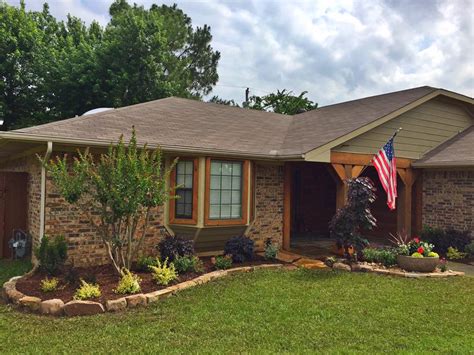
(424, 128)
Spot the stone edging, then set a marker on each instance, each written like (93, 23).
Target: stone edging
(374, 269)
(57, 307)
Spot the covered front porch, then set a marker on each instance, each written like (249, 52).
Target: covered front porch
(313, 191)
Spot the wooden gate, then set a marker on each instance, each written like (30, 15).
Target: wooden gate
(13, 207)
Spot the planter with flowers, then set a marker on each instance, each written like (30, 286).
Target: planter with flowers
(417, 255)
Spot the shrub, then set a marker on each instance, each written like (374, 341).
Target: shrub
(432, 254)
(174, 246)
(52, 253)
(271, 250)
(185, 264)
(164, 273)
(417, 255)
(223, 262)
(443, 239)
(49, 285)
(144, 263)
(469, 249)
(443, 265)
(349, 222)
(129, 283)
(87, 291)
(240, 248)
(454, 254)
(387, 257)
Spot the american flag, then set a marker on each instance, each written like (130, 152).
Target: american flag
(385, 163)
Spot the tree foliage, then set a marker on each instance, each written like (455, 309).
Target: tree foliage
(121, 187)
(52, 69)
(349, 222)
(283, 101)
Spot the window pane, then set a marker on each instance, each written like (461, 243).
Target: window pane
(236, 183)
(180, 209)
(225, 197)
(180, 167)
(214, 211)
(225, 211)
(236, 197)
(236, 211)
(215, 197)
(226, 168)
(188, 197)
(189, 167)
(215, 168)
(188, 181)
(180, 195)
(180, 180)
(226, 181)
(215, 182)
(188, 209)
(236, 169)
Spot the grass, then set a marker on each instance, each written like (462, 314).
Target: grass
(266, 312)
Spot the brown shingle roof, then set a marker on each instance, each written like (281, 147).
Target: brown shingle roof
(458, 151)
(184, 124)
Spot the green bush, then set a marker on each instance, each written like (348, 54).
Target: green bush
(87, 291)
(128, 284)
(387, 257)
(445, 238)
(417, 255)
(454, 254)
(144, 263)
(184, 264)
(49, 285)
(240, 247)
(164, 273)
(52, 253)
(271, 250)
(469, 249)
(223, 262)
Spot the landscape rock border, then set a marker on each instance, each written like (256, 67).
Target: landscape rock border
(356, 267)
(56, 307)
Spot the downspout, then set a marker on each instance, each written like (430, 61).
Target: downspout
(49, 149)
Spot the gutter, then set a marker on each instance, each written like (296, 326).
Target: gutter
(25, 137)
(47, 154)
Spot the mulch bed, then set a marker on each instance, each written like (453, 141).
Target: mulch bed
(107, 279)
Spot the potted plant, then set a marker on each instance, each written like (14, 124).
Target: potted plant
(416, 255)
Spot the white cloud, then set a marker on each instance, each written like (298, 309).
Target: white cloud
(335, 49)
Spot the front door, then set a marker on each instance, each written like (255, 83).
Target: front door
(13, 207)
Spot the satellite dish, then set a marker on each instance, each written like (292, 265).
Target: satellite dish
(97, 110)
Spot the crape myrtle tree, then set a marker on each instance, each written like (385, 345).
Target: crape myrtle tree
(349, 222)
(117, 191)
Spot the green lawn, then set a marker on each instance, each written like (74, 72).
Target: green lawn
(267, 312)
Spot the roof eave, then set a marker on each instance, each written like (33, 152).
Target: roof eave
(25, 137)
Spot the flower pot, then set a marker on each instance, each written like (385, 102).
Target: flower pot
(426, 264)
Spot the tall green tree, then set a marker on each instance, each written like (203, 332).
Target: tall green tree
(51, 70)
(283, 101)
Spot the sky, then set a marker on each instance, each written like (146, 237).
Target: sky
(336, 50)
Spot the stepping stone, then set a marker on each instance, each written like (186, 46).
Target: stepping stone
(310, 264)
(287, 256)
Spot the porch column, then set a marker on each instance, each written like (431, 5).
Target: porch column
(340, 173)
(404, 208)
(287, 183)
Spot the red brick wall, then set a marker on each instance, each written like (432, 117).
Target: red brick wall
(268, 222)
(448, 199)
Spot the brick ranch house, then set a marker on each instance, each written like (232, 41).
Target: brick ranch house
(258, 173)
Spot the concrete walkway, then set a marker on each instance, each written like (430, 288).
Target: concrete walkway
(466, 268)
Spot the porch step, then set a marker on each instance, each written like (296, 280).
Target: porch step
(310, 263)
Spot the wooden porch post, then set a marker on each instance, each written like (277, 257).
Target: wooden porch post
(342, 173)
(287, 183)
(404, 209)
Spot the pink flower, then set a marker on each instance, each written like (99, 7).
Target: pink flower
(416, 239)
